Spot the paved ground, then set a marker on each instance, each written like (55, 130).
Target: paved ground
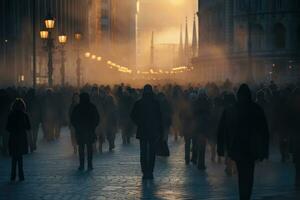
(51, 173)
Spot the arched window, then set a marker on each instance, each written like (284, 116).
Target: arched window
(279, 38)
(257, 37)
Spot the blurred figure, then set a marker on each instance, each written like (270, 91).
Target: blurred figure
(85, 118)
(146, 114)
(75, 102)
(243, 134)
(186, 117)
(202, 109)
(34, 112)
(294, 124)
(230, 169)
(49, 116)
(5, 102)
(111, 118)
(17, 125)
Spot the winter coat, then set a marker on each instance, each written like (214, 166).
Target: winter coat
(146, 114)
(85, 118)
(17, 125)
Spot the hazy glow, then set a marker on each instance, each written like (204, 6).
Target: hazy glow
(177, 2)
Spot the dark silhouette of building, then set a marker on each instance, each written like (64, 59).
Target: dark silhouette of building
(254, 39)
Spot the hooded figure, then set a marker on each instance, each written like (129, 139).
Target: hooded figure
(244, 136)
(85, 118)
(146, 114)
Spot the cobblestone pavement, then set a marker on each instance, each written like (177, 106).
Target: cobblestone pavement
(51, 173)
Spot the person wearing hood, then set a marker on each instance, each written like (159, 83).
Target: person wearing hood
(85, 119)
(146, 114)
(243, 135)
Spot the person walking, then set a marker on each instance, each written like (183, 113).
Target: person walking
(85, 119)
(75, 102)
(244, 136)
(17, 125)
(146, 114)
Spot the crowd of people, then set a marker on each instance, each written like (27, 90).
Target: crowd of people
(195, 113)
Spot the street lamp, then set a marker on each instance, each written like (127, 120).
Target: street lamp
(49, 22)
(46, 35)
(78, 61)
(62, 39)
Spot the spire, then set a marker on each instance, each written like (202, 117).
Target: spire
(194, 41)
(180, 50)
(152, 50)
(186, 44)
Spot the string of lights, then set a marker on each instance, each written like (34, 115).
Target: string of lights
(129, 70)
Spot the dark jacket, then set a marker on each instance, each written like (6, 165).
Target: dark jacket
(243, 132)
(85, 118)
(17, 125)
(146, 114)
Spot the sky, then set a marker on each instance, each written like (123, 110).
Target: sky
(165, 17)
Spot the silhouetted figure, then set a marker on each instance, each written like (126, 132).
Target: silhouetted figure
(17, 125)
(75, 102)
(146, 114)
(5, 101)
(243, 134)
(34, 113)
(294, 126)
(85, 118)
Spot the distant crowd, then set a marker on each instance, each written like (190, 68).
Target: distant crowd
(192, 112)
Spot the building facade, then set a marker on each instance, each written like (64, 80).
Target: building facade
(249, 40)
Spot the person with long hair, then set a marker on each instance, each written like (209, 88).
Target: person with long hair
(17, 125)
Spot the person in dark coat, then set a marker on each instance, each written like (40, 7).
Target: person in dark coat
(146, 114)
(244, 136)
(85, 119)
(75, 102)
(294, 126)
(17, 125)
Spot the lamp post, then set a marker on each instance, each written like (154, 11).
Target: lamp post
(62, 39)
(46, 35)
(249, 44)
(78, 60)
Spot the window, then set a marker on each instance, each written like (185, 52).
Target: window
(257, 37)
(279, 38)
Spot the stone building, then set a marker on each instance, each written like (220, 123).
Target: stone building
(252, 40)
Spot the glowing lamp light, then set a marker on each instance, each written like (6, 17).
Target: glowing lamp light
(77, 36)
(93, 57)
(99, 58)
(87, 54)
(62, 39)
(49, 22)
(44, 34)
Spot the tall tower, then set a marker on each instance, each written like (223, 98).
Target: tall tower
(180, 50)
(152, 50)
(194, 41)
(186, 43)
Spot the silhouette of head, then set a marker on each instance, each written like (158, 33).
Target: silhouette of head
(18, 105)
(148, 91)
(84, 97)
(244, 94)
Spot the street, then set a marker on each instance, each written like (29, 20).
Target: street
(51, 173)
